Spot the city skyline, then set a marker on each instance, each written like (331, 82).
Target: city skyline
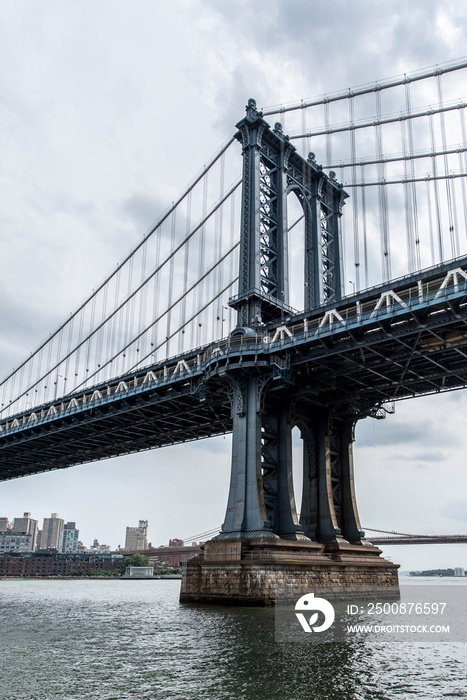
(141, 538)
(95, 150)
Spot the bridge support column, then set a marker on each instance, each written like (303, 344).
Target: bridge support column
(262, 553)
(329, 507)
(261, 501)
(246, 515)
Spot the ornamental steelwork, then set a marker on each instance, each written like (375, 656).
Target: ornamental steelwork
(272, 169)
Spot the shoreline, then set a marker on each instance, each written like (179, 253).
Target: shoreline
(90, 578)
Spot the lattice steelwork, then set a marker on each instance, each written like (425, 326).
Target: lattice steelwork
(269, 250)
(272, 169)
(327, 239)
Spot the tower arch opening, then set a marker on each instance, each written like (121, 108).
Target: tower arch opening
(296, 248)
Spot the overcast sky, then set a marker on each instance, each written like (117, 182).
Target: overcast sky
(107, 110)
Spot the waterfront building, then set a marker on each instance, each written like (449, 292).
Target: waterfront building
(459, 571)
(137, 537)
(15, 541)
(53, 563)
(52, 530)
(70, 538)
(26, 526)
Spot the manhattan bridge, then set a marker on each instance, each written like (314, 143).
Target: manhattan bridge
(312, 274)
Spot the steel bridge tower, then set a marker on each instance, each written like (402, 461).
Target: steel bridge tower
(261, 522)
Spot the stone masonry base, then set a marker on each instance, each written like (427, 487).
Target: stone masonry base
(256, 572)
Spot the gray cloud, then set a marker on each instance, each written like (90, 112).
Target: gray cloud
(394, 433)
(141, 209)
(455, 508)
(421, 458)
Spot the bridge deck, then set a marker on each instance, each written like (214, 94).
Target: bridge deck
(399, 340)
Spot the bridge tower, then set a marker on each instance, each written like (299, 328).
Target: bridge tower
(261, 501)
(261, 526)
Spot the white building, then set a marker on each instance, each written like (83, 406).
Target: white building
(138, 571)
(70, 539)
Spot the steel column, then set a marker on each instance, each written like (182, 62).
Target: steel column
(329, 508)
(246, 515)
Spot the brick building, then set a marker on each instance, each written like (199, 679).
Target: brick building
(53, 563)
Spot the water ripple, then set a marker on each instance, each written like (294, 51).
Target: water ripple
(127, 640)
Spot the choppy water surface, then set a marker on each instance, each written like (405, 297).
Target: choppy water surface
(106, 640)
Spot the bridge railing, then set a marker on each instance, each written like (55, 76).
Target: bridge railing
(436, 292)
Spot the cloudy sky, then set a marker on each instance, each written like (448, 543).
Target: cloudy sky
(107, 110)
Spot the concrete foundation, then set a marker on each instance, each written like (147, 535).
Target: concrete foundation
(259, 572)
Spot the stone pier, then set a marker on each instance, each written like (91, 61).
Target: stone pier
(256, 572)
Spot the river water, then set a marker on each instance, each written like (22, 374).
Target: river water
(119, 640)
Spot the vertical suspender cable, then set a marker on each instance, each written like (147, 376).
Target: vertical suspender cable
(113, 329)
(356, 232)
(382, 193)
(365, 229)
(186, 264)
(171, 280)
(142, 299)
(57, 360)
(202, 242)
(101, 334)
(463, 166)
(157, 287)
(78, 352)
(220, 268)
(455, 219)
(413, 185)
(37, 388)
(408, 202)
(88, 345)
(232, 239)
(68, 351)
(452, 230)
(436, 190)
(430, 219)
(127, 313)
(304, 141)
(328, 131)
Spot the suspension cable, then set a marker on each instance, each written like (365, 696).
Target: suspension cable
(368, 88)
(129, 255)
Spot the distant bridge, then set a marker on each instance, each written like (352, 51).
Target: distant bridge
(403, 538)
